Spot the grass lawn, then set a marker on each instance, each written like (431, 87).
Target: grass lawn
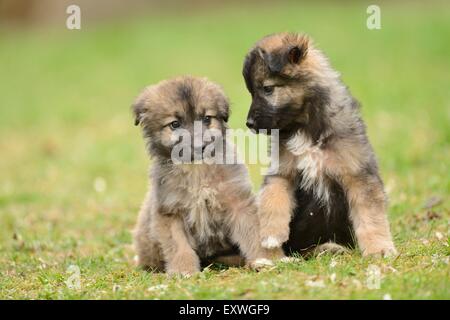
(73, 166)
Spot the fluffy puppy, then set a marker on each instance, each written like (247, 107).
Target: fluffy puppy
(197, 210)
(327, 189)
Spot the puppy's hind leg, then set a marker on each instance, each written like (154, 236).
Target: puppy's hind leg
(324, 248)
(148, 252)
(149, 256)
(368, 214)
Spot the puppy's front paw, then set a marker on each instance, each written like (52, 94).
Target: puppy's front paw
(183, 265)
(261, 263)
(387, 251)
(330, 248)
(274, 237)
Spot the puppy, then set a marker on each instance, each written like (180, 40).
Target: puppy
(197, 210)
(327, 189)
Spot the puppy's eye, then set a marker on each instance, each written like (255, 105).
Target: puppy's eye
(207, 120)
(268, 90)
(175, 125)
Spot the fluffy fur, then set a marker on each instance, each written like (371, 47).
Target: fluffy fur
(328, 188)
(194, 213)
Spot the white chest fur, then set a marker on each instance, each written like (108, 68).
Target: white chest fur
(310, 161)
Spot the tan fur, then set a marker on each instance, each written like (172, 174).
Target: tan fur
(368, 213)
(366, 196)
(275, 208)
(328, 143)
(194, 213)
(179, 256)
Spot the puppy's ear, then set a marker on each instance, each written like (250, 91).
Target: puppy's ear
(140, 106)
(294, 54)
(249, 61)
(225, 116)
(294, 50)
(297, 48)
(225, 111)
(138, 110)
(221, 101)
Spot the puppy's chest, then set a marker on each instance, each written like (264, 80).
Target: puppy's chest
(310, 160)
(206, 223)
(205, 217)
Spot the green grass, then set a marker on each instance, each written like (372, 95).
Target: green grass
(65, 122)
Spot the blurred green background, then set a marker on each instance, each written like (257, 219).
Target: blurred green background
(73, 166)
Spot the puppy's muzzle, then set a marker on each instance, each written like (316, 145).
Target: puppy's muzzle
(250, 123)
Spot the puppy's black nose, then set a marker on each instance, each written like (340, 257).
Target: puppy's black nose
(250, 123)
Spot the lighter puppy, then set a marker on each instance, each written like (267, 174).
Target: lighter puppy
(194, 213)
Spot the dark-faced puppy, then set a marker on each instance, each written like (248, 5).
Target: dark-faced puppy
(197, 210)
(328, 188)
